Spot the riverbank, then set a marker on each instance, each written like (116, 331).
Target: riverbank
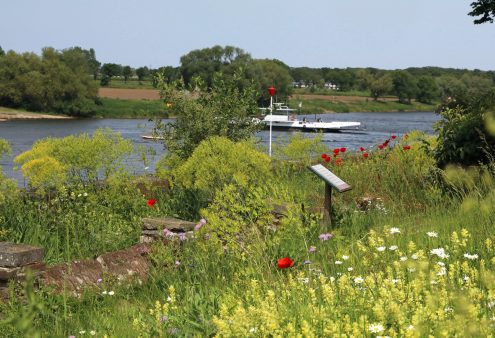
(7, 114)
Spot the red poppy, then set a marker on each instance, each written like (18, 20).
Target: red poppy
(326, 159)
(365, 155)
(323, 156)
(361, 149)
(381, 146)
(393, 137)
(151, 202)
(339, 161)
(343, 149)
(407, 147)
(336, 151)
(386, 143)
(284, 263)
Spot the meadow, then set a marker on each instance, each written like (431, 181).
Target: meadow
(410, 252)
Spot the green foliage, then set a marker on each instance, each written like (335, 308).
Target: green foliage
(109, 70)
(223, 110)
(300, 151)
(7, 187)
(267, 73)
(142, 72)
(126, 72)
(463, 137)
(380, 85)
(427, 90)
(404, 86)
(56, 81)
(485, 9)
(53, 163)
(218, 162)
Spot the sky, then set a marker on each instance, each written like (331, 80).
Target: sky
(387, 34)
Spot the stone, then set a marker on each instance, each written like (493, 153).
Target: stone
(16, 255)
(172, 224)
(8, 273)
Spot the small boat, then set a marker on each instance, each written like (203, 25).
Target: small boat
(284, 118)
(150, 137)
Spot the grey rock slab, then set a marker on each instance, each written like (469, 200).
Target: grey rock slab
(172, 224)
(16, 255)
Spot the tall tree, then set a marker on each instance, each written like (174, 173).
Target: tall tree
(380, 85)
(109, 70)
(404, 86)
(485, 9)
(427, 89)
(208, 61)
(2, 53)
(142, 72)
(126, 73)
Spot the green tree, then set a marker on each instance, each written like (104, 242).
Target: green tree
(204, 63)
(266, 73)
(224, 109)
(142, 72)
(126, 72)
(485, 9)
(404, 86)
(427, 89)
(380, 85)
(2, 53)
(109, 70)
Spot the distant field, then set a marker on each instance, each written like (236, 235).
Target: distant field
(134, 84)
(142, 108)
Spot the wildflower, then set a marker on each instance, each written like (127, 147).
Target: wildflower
(104, 293)
(200, 224)
(163, 318)
(325, 237)
(307, 262)
(182, 236)
(471, 257)
(338, 262)
(403, 258)
(99, 280)
(323, 156)
(253, 330)
(395, 281)
(85, 194)
(442, 272)
(406, 136)
(410, 327)
(92, 332)
(167, 233)
(465, 278)
(327, 159)
(339, 161)
(432, 234)
(365, 155)
(284, 263)
(441, 263)
(82, 332)
(393, 247)
(304, 280)
(146, 168)
(312, 249)
(358, 280)
(361, 149)
(111, 293)
(381, 146)
(177, 262)
(406, 147)
(381, 248)
(393, 137)
(394, 231)
(490, 304)
(336, 151)
(345, 257)
(350, 269)
(72, 336)
(151, 202)
(440, 252)
(343, 149)
(376, 328)
(414, 256)
(169, 299)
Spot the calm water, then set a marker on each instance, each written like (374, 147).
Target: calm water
(22, 134)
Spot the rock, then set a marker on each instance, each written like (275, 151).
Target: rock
(172, 224)
(17, 255)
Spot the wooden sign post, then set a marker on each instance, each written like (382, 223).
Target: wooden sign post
(331, 181)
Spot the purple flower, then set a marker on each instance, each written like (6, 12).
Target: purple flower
(325, 237)
(307, 262)
(99, 280)
(312, 249)
(167, 233)
(72, 336)
(182, 236)
(200, 224)
(177, 262)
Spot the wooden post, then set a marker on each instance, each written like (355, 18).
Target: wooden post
(327, 213)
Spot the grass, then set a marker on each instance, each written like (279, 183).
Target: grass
(116, 108)
(381, 273)
(311, 106)
(129, 84)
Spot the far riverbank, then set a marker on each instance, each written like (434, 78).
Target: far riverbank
(7, 114)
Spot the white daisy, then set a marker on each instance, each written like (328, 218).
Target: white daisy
(381, 248)
(394, 231)
(432, 234)
(471, 257)
(345, 257)
(393, 247)
(358, 280)
(376, 328)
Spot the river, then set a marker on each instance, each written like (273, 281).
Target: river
(21, 134)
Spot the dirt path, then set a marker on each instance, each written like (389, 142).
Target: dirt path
(129, 94)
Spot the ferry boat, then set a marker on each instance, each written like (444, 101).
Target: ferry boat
(284, 118)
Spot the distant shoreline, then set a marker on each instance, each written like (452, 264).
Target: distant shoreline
(7, 114)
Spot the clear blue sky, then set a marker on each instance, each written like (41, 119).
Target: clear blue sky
(386, 34)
